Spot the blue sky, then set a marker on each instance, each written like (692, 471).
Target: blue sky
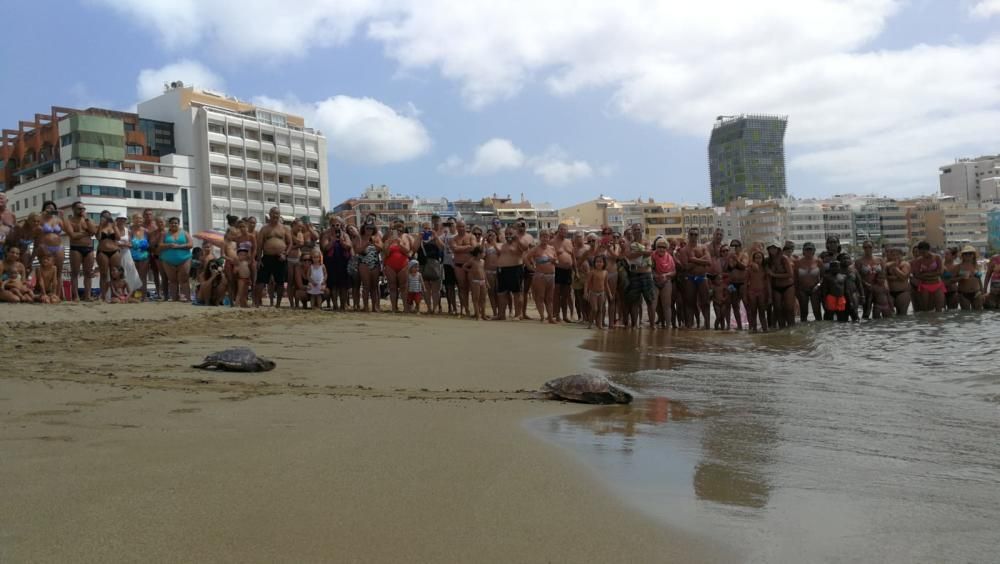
(561, 101)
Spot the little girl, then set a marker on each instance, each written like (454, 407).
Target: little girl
(758, 289)
(244, 273)
(12, 283)
(316, 285)
(118, 288)
(476, 269)
(47, 281)
(881, 304)
(596, 287)
(414, 287)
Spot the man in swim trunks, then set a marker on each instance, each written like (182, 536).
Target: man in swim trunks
(565, 261)
(695, 260)
(273, 241)
(510, 273)
(641, 285)
(716, 244)
(527, 241)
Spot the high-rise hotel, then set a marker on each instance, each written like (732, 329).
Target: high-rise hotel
(746, 158)
(191, 153)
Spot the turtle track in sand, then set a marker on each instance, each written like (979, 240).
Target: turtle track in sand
(93, 352)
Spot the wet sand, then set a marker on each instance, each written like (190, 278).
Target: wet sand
(377, 438)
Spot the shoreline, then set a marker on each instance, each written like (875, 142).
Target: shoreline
(365, 444)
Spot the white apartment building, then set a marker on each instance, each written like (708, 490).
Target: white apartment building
(247, 159)
(962, 179)
(804, 224)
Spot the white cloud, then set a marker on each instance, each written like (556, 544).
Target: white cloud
(986, 9)
(360, 130)
(150, 81)
(676, 65)
(557, 169)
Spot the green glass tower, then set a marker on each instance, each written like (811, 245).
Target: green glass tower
(746, 158)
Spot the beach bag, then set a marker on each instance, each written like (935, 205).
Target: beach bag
(431, 269)
(131, 274)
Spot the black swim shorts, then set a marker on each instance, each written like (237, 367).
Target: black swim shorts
(449, 275)
(272, 266)
(509, 279)
(564, 276)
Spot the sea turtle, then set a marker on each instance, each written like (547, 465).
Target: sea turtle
(587, 389)
(239, 359)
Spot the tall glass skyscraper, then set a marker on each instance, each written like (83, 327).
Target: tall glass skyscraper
(746, 158)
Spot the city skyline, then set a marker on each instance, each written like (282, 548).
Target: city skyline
(871, 111)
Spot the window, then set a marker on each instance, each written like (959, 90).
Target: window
(219, 169)
(169, 197)
(68, 194)
(269, 177)
(285, 198)
(267, 157)
(267, 137)
(311, 146)
(299, 181)
(217, 148)
(159, 196)
(282, 159)
(137, 194)
(147, 194)
(235, 151)
(297, 162)
(215, 128)
(253, 195)
(253, 154)
(314, 165)
(270, 198)
(283, 179)
(34, 201)
(313, 184)
(66, 139)
(299, 201)
(281, 139)
(129, 126)
(253, 175)
(314, 202)
(253, 134)
(133, 149)
(297, 143)
(93, 190)
(148, 169)
(236, 131)
(236, 172)
(220, 191)
(239, 194)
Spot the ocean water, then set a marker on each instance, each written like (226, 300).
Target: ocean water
(877, 442)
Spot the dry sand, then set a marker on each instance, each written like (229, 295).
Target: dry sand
(377, 438)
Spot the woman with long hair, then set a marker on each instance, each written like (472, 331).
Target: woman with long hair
(108, 251)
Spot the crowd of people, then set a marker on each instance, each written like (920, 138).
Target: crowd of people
(603, 279)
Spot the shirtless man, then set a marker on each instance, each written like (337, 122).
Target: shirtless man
(461, 248)
(641, 286)
(565, 261)
(582, 247)
(527, 241)
(695, 259)
(81, 231)
(273, 241)
(510, 273)
(713, 247)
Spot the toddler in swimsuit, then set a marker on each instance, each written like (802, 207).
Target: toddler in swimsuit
(596, 287)
(476, 269)
(118, 288)
(47, 281)
(414, 287)
(243, 270)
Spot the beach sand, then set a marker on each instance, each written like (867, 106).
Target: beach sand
(377, 438)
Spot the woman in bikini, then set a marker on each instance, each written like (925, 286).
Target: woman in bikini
(397, 248)
(897, 276)
(664, 270)
(992, 283)
(81, 231)
(950, 277)
(868, 267)
(108, 251)
(369, 248)
(175, 258)
(779, 271)
(808, 277)
(927, 268)
(970, 280)
(48, 237)
(353, 266)
(542, 259)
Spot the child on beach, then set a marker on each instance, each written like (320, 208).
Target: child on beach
(834, 293)
(476, 268)
(47, 282)
(758, 290)
(414, 288)
(315, 278)
(118, 292)
(12, 282)
(719, 280)
(596, 288)
(881, 304)
(244, 270)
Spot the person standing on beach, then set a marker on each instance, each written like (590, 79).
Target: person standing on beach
(273, 242)
(81, 231)
(564, 272)
(510, 273)
(695, 261)
(450, 280)
(527, 242)
(716, 244)
(7, 222)
(640, 278)
(542, 260)
(461, 248)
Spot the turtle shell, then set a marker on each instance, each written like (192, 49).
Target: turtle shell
(587, 388)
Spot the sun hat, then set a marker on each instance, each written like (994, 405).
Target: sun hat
(969, 249)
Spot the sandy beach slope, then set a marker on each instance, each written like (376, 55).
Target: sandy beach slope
(377, 438)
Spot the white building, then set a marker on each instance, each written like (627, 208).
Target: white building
(962, 179)
(246, 159)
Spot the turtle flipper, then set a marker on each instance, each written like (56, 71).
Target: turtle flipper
(204, 365)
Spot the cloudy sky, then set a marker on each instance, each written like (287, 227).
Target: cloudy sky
(559, 100)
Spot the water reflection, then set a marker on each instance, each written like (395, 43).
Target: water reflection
(871, 442)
